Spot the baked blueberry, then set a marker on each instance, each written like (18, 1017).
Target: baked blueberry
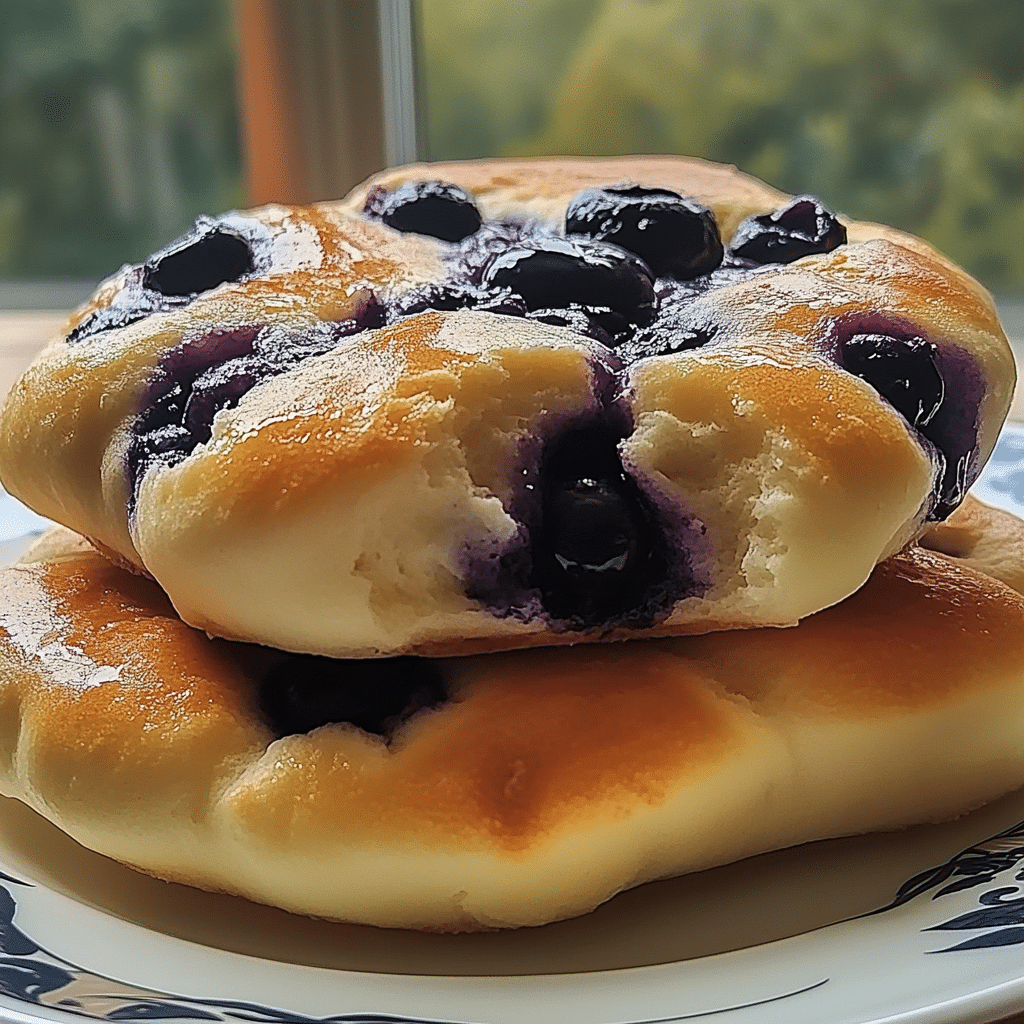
(588, 322)
(218, 388)
(664, 340)
(682, 324)
(562, 273)
(800, 228)
(108, 319)
(458, 414)
(305, 692)
(206, 257)
(675, 236)
(910, 374)
(904, 371)
(198, 379)
(596, 549)
(433, 208)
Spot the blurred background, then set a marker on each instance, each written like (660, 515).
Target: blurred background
(121, 120)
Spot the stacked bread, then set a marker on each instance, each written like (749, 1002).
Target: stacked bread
(369, 486)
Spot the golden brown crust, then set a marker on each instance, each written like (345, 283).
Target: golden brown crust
(538, 186)
(370, 477)
(548, 781)
(984, 538)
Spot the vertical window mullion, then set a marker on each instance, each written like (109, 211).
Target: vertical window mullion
(328, 94)
(399, 79)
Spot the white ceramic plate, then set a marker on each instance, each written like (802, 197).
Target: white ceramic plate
(919, 926)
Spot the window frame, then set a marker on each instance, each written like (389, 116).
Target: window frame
(321, 110)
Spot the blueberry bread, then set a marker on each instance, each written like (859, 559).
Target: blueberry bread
(503, 789)
(499, 404)
(982, 537)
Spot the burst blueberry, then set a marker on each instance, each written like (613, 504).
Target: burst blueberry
(305, 692)
(904, 371)
(195, 381)
(434, 208)
(675, 236)
(557, 273)
(597, 548)
(802, 227)
(589, 322)
(208, 256)
(220, 387)
(907, 371)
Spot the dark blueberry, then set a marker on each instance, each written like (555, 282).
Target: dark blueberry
(664, 340)
(683, 323)
(597, 550)
(954, 481)
(214, 348)
(588, 322)
(469, 261)
(558, 273)
(306, 691)
(676, 237)
(218, 388)
(911, 374)
(444, 297)
(106, 319)
(904, 371)
(800, 228)
(433, 208)
(208, 256)
(281, 348)
(170, 438)
(455, 296)
(590, 526)
(193, 382)
(501, 302)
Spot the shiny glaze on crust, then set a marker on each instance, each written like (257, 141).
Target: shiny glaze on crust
(376, 406)
(356, 253)
(112, 681)
(888, 646)
(321, 426)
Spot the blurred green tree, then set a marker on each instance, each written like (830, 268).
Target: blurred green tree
(119, 127)
(909, 113)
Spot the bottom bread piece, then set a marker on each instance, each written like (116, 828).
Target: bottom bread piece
(509, 789)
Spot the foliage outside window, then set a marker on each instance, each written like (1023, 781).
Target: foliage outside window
(119, 119)
(119, 127)
(909, 113)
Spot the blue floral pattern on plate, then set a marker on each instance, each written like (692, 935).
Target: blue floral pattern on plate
(1002, 480)
(33, 975)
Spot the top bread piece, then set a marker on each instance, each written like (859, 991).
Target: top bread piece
(493, 404)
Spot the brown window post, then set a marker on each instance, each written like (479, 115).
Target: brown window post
(327, 92)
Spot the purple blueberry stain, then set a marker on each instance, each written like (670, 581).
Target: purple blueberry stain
(203, 376)
(935, 386)
(597, 550)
